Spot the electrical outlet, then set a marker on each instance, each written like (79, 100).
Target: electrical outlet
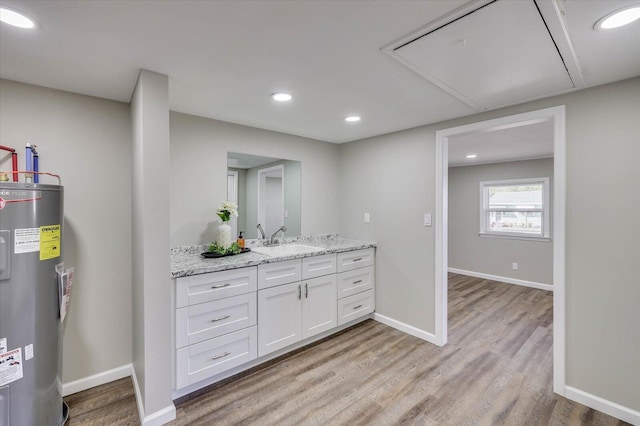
(514, 266)
(367, 218)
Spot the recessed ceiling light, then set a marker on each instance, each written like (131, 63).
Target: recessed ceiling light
(472, 155)
(281, 97)
(352, 118)
(14, 18)
(618, 18)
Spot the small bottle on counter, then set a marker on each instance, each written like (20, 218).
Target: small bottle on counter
(240, 240)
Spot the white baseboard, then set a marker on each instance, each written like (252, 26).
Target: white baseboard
(507, 280)
(96, 380)
(406, 328)
(611, 408)
(156, 418)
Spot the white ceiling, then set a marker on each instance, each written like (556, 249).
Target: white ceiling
(525, 141)
(224, 58)
(247, 161)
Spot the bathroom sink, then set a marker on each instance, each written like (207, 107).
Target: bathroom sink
(286, 250)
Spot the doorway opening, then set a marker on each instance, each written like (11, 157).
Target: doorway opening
(556, 117)
(271, 198)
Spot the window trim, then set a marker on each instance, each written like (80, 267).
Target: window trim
(484, 210)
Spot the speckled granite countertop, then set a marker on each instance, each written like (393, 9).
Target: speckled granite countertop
(186, 260)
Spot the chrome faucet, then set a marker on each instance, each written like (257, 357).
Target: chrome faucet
(261, 231)
(272, 241)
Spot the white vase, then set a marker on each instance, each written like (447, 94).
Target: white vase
(224, 235)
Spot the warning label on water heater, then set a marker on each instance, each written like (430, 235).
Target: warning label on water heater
(49, 242)
(45, 239)
(26, 240)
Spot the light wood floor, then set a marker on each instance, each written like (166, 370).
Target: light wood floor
(495, 370)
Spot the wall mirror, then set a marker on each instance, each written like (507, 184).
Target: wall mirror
(267, 191)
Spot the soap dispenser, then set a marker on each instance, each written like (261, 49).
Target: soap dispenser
(240, 240)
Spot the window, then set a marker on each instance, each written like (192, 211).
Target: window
(515, 208)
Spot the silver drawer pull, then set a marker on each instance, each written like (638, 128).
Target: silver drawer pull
(221, 318)
(221, 285)
(357, 307)
(357, 282)
(221, 356)
(357, 260)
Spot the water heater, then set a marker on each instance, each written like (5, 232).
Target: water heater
(30, 327)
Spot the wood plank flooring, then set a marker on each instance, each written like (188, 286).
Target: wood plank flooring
(495, 370)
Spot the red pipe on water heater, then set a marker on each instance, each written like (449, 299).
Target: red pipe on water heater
(14, 161)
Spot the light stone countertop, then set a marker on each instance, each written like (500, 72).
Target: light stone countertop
(186, 260)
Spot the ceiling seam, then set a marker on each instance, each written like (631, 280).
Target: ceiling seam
(535, 2)
(443, 25)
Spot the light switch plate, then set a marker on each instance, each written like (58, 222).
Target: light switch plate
(427, 219)
(367, 218)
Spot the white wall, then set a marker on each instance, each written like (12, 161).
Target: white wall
(87, 141)
(471, 252)
(199, 149)
(392, 176)
(152, 353)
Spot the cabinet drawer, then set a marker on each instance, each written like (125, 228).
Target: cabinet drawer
(356, 281)
(204, 321)
(211, 357)
(355, 306)
(317, 266)
(272, 274)
(350, 260)
(214, 286)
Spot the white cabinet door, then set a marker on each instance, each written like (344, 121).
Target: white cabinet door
(279, 317)
(319, 309)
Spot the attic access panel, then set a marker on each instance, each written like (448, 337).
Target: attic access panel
(500, 54)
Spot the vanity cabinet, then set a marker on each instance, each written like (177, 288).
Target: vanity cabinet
(215, 323)
(296, 310)
(231, 320)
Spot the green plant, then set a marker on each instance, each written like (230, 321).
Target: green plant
(217, 249)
